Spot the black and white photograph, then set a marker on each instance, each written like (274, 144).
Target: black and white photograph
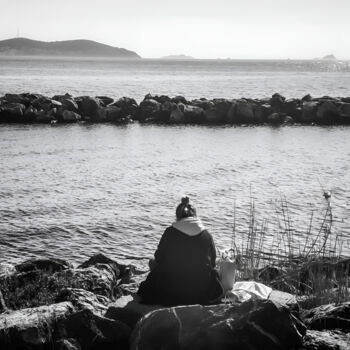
(174, 175)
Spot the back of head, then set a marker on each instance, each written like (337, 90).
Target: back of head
(184, 209)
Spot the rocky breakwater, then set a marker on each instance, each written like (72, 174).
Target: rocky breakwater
(49, 304)
(277, 110)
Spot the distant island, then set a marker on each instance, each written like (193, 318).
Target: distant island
(178, 57)
(86, 48)
(329, 57)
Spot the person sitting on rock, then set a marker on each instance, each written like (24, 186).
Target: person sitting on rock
(183, 271)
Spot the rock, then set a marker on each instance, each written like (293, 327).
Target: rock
(91, 109)
(307, 98)
(50, 265)
(128, 310)
(277, 103)
(325, 340)
(218, 112)
(327, 112)
(202, 103)
(128, 107)
(113, 114)
(280, 118)
(95, 332)
(177, 115)
(194, 114)
(161, 99)
(99, 279)
(330, 316)
(261, 112)
(67, 344)
(259, 324)
(309, 112)
(3, 306)
(12, 113)
(31, 328)
(18, 98)
(286, 299)
(149, 110)
(42, 103)
(83, 299)
(292, 108)
(102, 259)
(179, 99)
(46, 116)
(344, 111)
(30, 114)
(70, 117)
(244, 112)
(105, 100)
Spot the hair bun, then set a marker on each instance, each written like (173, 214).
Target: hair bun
(185, 200)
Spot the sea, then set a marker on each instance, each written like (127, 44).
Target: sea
(71, 191)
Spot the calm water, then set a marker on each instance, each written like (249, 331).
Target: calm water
(72, 191)
(193, 79)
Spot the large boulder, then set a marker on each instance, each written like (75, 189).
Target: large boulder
(32, 328)
(83, 299)
(67, 116)
(309, 112)
(328, 317)
(18, 98)
(260, 324)
(105, 100)
(12, 112)
(127, 106)
(149, 110)
(244, 112)
(177, 115)
(344, 111)
(46, 116)
(327, 112)
(325, 340)
(129, 310)
(99, 279)
(50, 265)
(91, 109)
(194, 114)
(218, 111)
(94, 332)
(277, 103)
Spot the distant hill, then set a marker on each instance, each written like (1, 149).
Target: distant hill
(178, 57)
(87, 48)
(329, 57)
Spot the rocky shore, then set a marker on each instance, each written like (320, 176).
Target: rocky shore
(277, 110)
(50, 304)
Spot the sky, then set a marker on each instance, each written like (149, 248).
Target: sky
(241, 29)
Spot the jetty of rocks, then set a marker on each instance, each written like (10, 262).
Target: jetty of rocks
(276, 110)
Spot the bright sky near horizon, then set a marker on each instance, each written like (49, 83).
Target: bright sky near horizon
(200, 28)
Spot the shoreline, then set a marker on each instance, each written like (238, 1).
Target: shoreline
(50, 304)
(27, 108)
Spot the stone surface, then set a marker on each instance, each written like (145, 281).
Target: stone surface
(83, 299)
(326, 340)
(94, 332)
(331, 316)
(31, 328)
(128, 310)
(252, 325)
(50, 265)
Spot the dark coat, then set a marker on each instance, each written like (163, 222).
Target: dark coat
(184, 271)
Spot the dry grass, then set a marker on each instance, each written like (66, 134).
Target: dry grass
(315, 271)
